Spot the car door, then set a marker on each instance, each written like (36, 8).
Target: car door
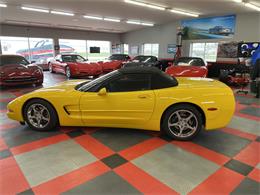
(56, 64)
(128, 101)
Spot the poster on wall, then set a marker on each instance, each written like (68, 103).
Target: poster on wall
(227, 50)
(172, 48)
(221, 27)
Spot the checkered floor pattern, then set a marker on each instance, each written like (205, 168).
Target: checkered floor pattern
(76, 160)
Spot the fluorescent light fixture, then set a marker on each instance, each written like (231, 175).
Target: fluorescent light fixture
(133, 22)
(252, 6)
(145, 4)
(184, 13)
(3, 5)
(93, 17)
(147, 24)
(62, 13)
(238, 1)
(35, 9)
(112, 20)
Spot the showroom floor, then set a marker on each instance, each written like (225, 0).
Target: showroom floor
(121, 161)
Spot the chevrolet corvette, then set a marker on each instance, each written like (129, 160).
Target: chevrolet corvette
(143, 61)
(73, 65)
(188, 67)
(114, 62)
(139, 98)
(16, 70)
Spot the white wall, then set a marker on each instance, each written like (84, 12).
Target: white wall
(247, 29)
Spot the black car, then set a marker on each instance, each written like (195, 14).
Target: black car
(143, 61)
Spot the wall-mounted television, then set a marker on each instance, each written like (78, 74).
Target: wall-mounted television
(247, 49)
(94, 49)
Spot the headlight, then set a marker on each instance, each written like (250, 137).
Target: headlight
(38, 71)
(2, 74)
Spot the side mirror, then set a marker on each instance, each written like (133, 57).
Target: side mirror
(102, 92)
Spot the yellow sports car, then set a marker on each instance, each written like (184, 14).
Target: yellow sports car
(140, 98)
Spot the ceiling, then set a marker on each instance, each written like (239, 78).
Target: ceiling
(111, 8)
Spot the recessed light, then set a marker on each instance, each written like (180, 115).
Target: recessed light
(62, 13)
(145, 4)
(93, 17)
(35, 9)
(133, 22)
(3, 5)
(252, 6)
(147, 24)
(184, 13)
(112, 19)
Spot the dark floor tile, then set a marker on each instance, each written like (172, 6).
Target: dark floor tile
(27, 192)
(3, 105)
(75, 133)
(114, 161)
(119, 139)
(165, 137)
(247, 186)
(247, 100)
(23, 134)
(5, 154)
(221, 142)
(239, 167)
(109, 183)
(253, 111)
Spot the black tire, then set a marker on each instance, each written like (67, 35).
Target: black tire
(183, 109)
(68, 72)
(50, 68)
(53, 117)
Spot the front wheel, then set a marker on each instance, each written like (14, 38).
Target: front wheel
(68, 72)
(182, 122)
(40, 115)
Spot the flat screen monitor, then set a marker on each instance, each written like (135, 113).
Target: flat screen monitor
(94, 49)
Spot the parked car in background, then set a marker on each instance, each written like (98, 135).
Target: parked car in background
(188, 67)
(220, 30)
(74, 65)
(143, 61)
(114, 62)
(16, 70)
(165, 63)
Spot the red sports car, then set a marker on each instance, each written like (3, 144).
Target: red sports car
(73, 65)
(114, 62)
(188, 67)
(16, 70)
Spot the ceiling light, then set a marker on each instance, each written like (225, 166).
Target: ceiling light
(184, 13)
(35, 9)
(145, 4)
(62, 13)
(252, 6)
(147, 24)
(93, 17)
(112, 20)
(238, 1)
(3, 5)
(133, 22)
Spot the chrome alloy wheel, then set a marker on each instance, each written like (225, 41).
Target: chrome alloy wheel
(68, 74)
(183, 123)
(38, 115)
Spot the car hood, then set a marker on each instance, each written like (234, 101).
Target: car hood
(18, 68)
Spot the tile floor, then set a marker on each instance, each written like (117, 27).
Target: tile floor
(123, 161)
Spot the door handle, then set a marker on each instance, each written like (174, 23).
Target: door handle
(143, 96)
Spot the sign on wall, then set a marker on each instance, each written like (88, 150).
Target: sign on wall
(172, 48)
(221, 27)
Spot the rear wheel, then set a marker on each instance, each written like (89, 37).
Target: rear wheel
(40, 115)
(182, 122)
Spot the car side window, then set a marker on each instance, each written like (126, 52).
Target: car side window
(130, 82)
(58, 58)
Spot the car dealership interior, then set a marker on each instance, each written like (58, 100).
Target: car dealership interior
(129, 97)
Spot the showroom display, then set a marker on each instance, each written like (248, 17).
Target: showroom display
(149, 99)
(73, 65)
(114, 62)
(188, 67)
(16, 70)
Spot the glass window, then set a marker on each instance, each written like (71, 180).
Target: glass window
(151, 49)
(41, 49)
(206, 51)
(130, 82)
(126, 48)
(104, 53)
(6, 60)
(73, 46)
(72, 58)
(15, 45)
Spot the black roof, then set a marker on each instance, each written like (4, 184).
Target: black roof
(141, 70)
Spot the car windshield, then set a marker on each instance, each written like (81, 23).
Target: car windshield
(190, 62)
(6, 60)
(87, 85)
(72, 58)
(142, 58)
(118, 57)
